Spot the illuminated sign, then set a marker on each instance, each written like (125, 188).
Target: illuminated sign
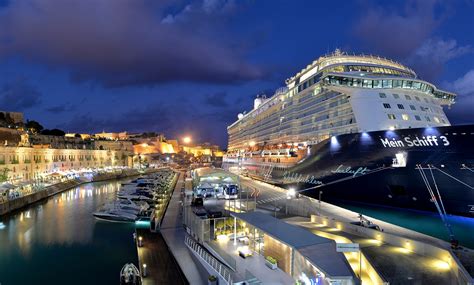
(428, 141)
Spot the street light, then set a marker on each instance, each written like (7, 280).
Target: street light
(291, 193)
(187, 140)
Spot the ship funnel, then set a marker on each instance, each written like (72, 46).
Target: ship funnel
(257, 102)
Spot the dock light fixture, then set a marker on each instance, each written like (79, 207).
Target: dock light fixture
(291, 193)
(144, 270)
(140, 241)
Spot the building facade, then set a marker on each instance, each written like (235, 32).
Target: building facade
(26, 157)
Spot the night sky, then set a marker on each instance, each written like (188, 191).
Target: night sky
(189, 67)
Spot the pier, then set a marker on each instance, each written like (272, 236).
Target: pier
(153, 253)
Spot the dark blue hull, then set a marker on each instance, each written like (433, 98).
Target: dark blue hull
(412, 168)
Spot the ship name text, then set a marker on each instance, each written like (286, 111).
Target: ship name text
(349, 170)
(293, 177)
(427, 141)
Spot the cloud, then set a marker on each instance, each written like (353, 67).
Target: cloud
(397, 31)
(405, 33)
(461, 112)
(18, 96)
(464, 85)
(61, 108)
(428, 60)
(216, 100)
(123, 43)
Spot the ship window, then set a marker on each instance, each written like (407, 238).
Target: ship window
(417, 98)
(427, 118)
(405, 117)
(417, 118)
(386, 106)
(442, 120)
(391, 116)
(436, 119)
(407, 97)
(387, 83)
(396, 96)
(400, 106)
(397, 83)
(377, 83)
(382, 95)
(412, 107)
(367, 83)
(407, 84)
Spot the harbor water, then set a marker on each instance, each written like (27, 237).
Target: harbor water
(420, 221)
(58, 241)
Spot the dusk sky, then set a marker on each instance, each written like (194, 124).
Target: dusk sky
(189, 67)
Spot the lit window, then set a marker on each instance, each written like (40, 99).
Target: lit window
(400, 106)
(412, 107)
(436, 119)
(391, 116)
(396, 96)
(382, 95)
(386, 106)
(417, 118)
(405, 117)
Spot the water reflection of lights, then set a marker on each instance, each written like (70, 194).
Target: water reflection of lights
(440, 265)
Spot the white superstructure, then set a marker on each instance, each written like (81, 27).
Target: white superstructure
(338, 94)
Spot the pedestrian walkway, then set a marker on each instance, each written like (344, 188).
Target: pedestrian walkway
(174, 235)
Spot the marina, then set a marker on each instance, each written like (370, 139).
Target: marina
(223, 142)
(61, 233)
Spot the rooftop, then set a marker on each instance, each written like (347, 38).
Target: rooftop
(320, 251)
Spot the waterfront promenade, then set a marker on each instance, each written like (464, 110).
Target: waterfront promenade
(174, 235)
(53, 189)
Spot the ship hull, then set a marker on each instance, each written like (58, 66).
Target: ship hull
(430, 169)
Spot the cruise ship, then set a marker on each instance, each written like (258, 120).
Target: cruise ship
(358, 128)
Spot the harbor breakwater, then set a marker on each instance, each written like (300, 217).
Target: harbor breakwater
(54, 189)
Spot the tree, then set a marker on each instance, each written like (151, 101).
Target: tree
(34, 126)
(53, 132)
(4, 174)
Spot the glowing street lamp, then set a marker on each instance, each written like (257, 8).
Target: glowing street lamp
(187, 140)
(291, 193)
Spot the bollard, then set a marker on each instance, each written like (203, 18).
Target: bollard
(140, 241)
(144, 270)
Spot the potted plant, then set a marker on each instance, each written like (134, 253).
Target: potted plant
(271, 262)
(212, 280)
